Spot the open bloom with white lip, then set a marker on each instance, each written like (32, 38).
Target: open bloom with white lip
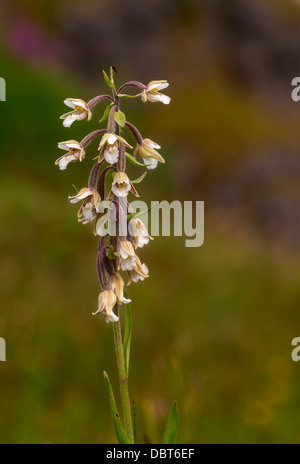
(91, 198)
(109, 149)
(139, 272)
(152, 94)
(150, 156)
(138, 231)
(127, 256)
(121, 185)
(81, 111)
(75, 152)
(106, 301)
(117, 285)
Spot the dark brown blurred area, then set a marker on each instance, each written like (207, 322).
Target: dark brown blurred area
(254, 43)
(230, 64)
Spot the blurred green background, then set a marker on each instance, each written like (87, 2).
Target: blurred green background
(213, 325)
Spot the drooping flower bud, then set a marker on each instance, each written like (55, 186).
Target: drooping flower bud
(106, 301)
(117, 285)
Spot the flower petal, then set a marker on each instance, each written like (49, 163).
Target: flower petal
(69, 144)
(112, 139)
(151, 163)
(83, 193)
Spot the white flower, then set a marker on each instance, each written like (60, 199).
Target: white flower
(121, 185)
(151, 163)
(152, 94)
(117, 285)
(81, 111)
(140, 272)
(138, 231)
(127, 256)
(150, 156)
(75, 152)
(109, 147)
(88, 210)
(106, 301)
(87, 213)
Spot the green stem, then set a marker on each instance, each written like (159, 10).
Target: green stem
(123, 379)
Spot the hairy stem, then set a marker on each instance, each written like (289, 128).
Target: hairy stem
(90, 137)
(123, 379)
(92, 103)
(135, 84)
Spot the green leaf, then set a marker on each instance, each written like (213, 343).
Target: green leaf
(106, 112)
(111, 254)
(107, 80)
(139, 179)
(127, 337)
(120, 433)
(134, 421)
(171, 426)
(111, 70)
(120, 118)
(128, 96)
(133, 161)
(135, 215)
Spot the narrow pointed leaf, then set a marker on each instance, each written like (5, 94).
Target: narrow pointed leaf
(111, 254)
(106, 112)
(107, 80)
(139, 179)
(135, 215)
(125, 95)
(120, 433)
(111, 70)
(134, 421)
(171, 426)
(120, 118)
(127, 337)
(133, 161)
